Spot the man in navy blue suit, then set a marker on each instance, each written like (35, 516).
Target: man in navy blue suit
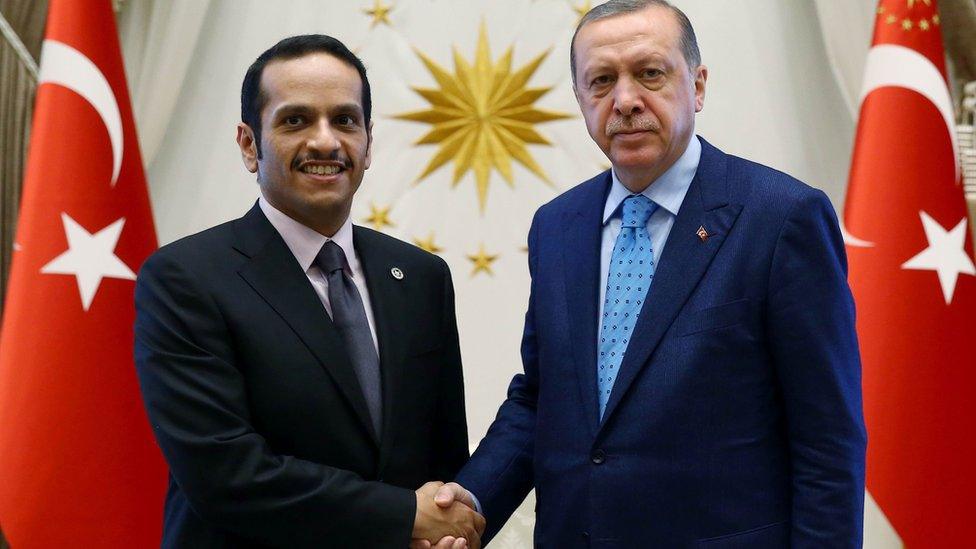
(692, 376)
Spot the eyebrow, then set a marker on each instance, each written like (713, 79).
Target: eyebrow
(299, 108)
(355, 108)
(290, 109)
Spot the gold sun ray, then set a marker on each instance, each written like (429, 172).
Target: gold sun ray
(483, 116)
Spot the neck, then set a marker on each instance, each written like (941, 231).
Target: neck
(325, 223)
(637, 180)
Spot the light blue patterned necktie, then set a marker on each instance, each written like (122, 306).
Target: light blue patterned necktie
(630, 274)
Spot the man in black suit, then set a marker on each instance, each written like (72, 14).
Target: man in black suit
(302, 375)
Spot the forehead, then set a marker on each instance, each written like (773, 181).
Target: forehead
(315, 78)
(653, 30)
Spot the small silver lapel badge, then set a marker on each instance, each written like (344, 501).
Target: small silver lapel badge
(702, 233)
(397, 273)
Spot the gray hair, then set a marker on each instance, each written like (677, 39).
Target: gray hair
(688, 41)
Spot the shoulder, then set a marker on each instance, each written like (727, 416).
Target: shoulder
(578, 197)
(398, 251)
(764, 180)
(772, 201)
(202, 248)
(768, 197)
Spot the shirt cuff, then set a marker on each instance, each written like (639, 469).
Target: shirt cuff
(477, 504)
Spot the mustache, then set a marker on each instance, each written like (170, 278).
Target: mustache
(625, 124)
(334, 156)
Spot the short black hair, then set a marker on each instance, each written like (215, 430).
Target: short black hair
(253, 99)
(688, 40)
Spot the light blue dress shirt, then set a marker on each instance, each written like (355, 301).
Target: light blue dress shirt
(668, 191)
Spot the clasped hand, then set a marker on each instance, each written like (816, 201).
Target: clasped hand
(446, 518)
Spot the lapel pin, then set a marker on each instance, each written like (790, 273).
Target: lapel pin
(702, 233)
(397, 273)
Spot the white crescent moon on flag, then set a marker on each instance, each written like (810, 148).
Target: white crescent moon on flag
(65, 66)
(900, 67)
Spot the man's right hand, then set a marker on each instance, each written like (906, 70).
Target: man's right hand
(435, 521)
(448, 493)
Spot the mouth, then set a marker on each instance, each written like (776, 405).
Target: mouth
(627, 135)
(322, 169)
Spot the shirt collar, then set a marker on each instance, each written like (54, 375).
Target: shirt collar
(305, 242)
(668, 191)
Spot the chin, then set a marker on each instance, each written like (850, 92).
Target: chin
(635, 161)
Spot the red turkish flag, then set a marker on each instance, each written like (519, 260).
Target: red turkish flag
(78, 462)
(911, 270)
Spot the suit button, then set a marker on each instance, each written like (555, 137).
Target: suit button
(586, 536)
(598, 457)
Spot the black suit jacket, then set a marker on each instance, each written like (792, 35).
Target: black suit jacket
(256, 406)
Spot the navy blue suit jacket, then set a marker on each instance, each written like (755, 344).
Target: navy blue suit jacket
(735, 420)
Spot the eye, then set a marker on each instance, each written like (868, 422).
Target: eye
(601, 80)
(294, 120)
(345, 120)
(651, 73)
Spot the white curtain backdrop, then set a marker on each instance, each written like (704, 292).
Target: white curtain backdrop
(846, 28)
(782, 88)
(158, 39)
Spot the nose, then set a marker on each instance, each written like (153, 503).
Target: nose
(323, 138)
(626, 98)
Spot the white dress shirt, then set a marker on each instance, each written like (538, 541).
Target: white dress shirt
(668, 191)
(305, 244)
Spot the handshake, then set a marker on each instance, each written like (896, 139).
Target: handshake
(446, 518)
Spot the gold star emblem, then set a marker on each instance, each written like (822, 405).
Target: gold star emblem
(379, 217)
(891, 19)
(582, 9)
(911, 3)
(428, 244)
(881, 10)
(482, 116)
(482, 261)
(923, 24)
(936, 20)
(379, 12)
(906, 24)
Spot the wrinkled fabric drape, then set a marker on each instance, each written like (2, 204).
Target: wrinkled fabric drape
(19, 46)
(846, 29)
(158, 40)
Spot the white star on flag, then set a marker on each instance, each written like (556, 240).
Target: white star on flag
(90, 257)
(945, 255)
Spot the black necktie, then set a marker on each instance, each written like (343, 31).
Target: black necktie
(349, 318)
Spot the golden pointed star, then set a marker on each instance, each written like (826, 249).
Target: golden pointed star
(881, 10)
(891, 19)
(379, 12)
(482, 116)
(428, 244)
(482, 261)
(582, 9)
(935, 19)
(379, 217)
(911, 3)
(906, 24)
(923, 24)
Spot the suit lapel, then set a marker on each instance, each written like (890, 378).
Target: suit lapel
(581, 267)
(276, 276)
(390, 307)
(686, 258)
